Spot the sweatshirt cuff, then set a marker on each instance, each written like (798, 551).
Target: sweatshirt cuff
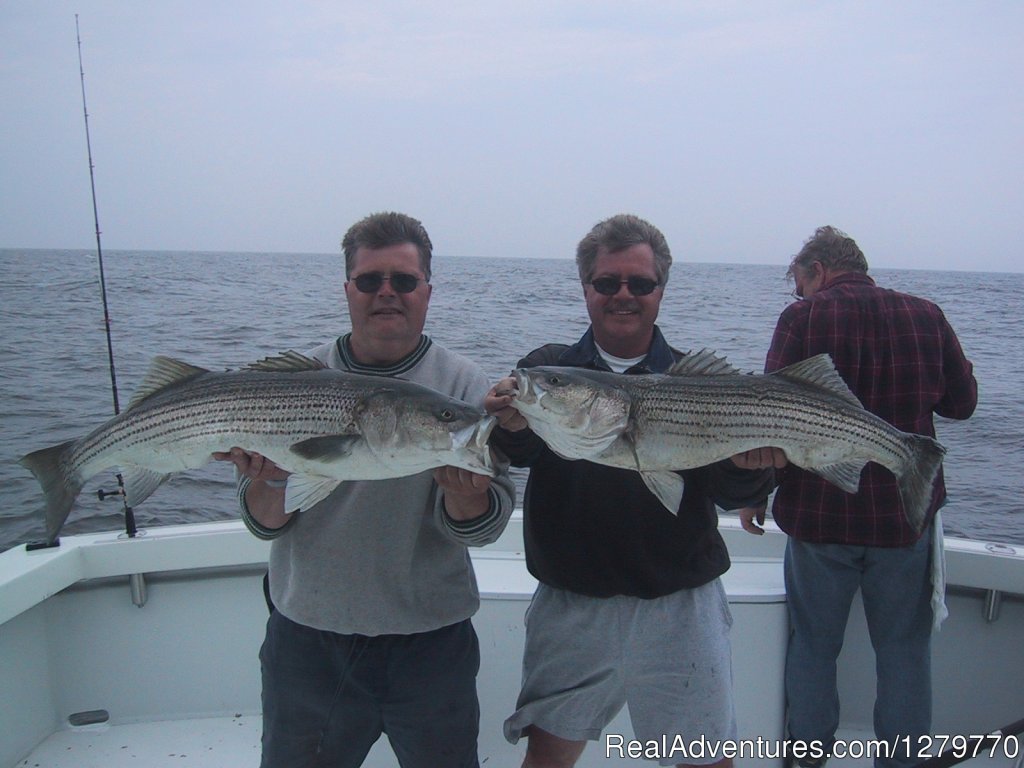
(255, 527)
(474, 529)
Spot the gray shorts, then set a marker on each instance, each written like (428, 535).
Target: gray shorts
(669, 659)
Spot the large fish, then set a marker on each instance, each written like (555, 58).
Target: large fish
(323, 425)
(704, 410)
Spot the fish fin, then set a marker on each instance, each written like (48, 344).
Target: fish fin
(667, 486)
(139, 483)
(59, 488)
(164, 372)
(602, 443)
(819, 371)
(845, 475)
(303, 491)
(326, 448)
(286, 362)
(917, 481)
(703, 363)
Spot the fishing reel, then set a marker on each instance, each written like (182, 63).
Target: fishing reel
(131, 529)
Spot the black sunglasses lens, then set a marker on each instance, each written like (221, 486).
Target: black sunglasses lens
(606, 286)
(370, 282)
(638, 286)
(404, 283)
(641, 286)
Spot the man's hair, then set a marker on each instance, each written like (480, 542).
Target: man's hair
(833, 248)
(380, 230)
(618, 233)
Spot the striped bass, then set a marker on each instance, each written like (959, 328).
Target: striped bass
(322, 425)
(704, 410)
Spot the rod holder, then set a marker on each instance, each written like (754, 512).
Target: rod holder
(993, 599)
(137, 584)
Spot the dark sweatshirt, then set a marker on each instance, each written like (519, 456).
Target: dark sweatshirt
(598, 530)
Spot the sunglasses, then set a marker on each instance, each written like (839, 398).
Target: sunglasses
(638, 286)
(401, 282)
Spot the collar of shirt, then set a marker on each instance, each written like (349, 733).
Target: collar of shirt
(406, 364)
(847, 278)
(584, 354)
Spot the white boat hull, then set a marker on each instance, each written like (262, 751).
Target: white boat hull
(72, 641)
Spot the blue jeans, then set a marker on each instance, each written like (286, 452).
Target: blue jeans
(821, 580)
(328, 697)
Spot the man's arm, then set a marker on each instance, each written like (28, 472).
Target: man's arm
(746, 479)
(471, 508)
(961, 397)
(261, 490)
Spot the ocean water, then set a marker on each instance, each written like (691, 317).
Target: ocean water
(223, 310)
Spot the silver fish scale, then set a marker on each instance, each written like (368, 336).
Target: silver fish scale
(682, 420)
(741, 412)
(324, 426)
(236, 408)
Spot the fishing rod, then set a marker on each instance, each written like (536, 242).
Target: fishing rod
(129, 515)
(96, 222)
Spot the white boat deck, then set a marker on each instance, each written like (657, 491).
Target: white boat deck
(213, 742)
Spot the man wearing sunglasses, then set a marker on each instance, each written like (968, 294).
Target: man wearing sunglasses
(629, 608)
(372, 588)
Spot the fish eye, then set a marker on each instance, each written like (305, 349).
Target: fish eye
(447, 414)
(555, 380)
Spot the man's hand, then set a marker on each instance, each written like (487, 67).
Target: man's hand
(465, 492)
(761, 458)
(498, 403)
(747, 517)
(252, 465)
(265, 502)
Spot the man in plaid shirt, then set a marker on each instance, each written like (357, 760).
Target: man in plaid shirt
(900, 356)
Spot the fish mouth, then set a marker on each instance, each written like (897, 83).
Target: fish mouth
(484, 427)
(527, 394)
(471, 444)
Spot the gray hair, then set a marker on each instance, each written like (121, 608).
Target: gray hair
(618, 233)
(833, 248)
(380, 230)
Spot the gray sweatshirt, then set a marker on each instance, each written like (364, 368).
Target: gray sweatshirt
(382, 556)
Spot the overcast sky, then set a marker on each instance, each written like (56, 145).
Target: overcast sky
(511, 128)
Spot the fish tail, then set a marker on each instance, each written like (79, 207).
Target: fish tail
(917, 481)
(60, 484)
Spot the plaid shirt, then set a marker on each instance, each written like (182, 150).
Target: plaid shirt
(900, 356)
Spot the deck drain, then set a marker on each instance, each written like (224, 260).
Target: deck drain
(89, 717)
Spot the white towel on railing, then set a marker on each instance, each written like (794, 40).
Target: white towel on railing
(939, 609)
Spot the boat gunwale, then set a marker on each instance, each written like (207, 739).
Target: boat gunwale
(27, 578)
